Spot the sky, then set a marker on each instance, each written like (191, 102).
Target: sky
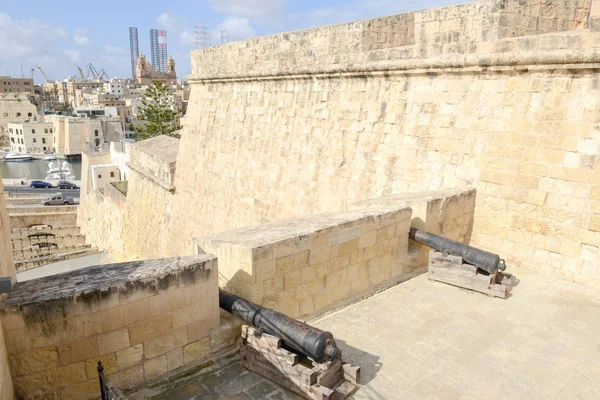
(63, 34)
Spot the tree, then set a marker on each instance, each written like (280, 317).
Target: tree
(156, 111)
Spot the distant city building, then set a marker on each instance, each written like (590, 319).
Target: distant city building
(31, 137)
(134, 49)
(158, 50)
(16, 85)
(15, 107)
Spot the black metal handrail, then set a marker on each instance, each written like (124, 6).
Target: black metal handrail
(107, 390)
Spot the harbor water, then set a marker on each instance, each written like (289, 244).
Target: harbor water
(34, 169)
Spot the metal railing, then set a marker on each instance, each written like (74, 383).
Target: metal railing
(107, 390)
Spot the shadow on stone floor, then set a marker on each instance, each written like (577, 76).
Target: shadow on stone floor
(369, 364)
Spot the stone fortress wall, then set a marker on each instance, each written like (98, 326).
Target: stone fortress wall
(14, 107)
(498, 95)
(7, 268)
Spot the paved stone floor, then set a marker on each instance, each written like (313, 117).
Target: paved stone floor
(233, 382)
(428, 340)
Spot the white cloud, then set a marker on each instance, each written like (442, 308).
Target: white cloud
(73, 55)
(187, 38)
(115, 50)
(237, 28)
(82, 37)
(167, 20)
(82, 40)
(260, 11)
(23, 39)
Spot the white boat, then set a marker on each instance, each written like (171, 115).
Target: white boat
(49, 158)
(60, 176)
(58, 170)
(17, 157)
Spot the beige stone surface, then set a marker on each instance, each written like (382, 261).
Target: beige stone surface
(14, 107)
(57, 332)
(306, 265)
(425, 340)
(500, 98)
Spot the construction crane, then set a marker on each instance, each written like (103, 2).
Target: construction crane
(103, 75)
(43, 74)
(92, 70)
(81, 73)
(22, 73)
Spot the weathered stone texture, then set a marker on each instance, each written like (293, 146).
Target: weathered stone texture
(306, 265)
(57, 328)
(14, 108)
(514, 116)
(7, 268)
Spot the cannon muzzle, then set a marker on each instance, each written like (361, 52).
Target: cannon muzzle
(484, 260)
(312, 342)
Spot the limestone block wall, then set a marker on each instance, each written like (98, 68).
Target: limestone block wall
(311, 121)
(28, 220)
(143, 320)
(86, 213)
(14, 108)
(65, 240)
(39, 209)
(103, 221)
(23, 234)
(7, 268)
(150, 195)
(307, 265)
(449, 213)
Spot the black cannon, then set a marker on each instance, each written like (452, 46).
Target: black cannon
(484, 260)
(312, 342)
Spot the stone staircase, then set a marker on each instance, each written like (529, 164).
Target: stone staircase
(44, 234)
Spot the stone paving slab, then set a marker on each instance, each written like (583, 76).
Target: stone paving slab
(233, 382)
(428, 340)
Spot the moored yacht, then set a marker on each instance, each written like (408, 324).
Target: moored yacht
(17, 157)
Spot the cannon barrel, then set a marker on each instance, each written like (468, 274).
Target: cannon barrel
(487, 261)
(312, 342)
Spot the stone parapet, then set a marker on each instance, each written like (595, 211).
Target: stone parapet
(483, 34)
(307, 265)
(143, 320)
(155, 159)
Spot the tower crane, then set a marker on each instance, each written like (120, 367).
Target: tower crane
(103, 75)
(81, 73)
(92, 70)
(43, 74)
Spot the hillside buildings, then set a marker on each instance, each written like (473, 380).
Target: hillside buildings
(15, 107)
(16, 85)
(64, 135)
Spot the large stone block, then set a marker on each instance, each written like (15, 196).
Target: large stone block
(164, 344)
(130, 356)
(78, 350)
(113, 341)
